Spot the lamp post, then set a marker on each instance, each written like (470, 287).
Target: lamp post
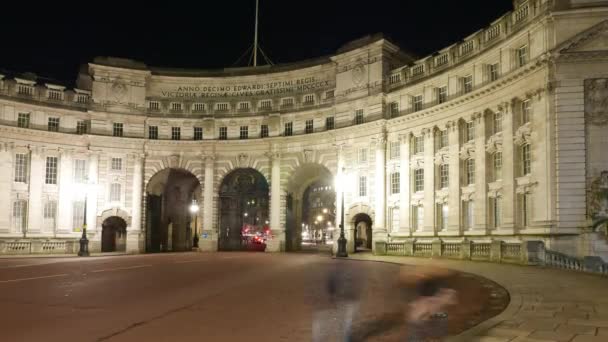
(342, 239)
(83, 251)
(194, 210)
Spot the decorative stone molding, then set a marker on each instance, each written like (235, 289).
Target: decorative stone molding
(524, 185)
(441, 196)
(417, 162)
(242, 160)
(494, 143)
(467, 150)
(442, 157)
(468, 192)
(495, 189)
(307, 155)
(523, 135)
(596, 101)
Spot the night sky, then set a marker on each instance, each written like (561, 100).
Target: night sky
(52, 40)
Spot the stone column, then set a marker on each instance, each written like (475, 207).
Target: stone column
(339, 193)
(454, 178)
(134, 243)
(481, 184)
(36, 182)
(67, 194)
(379, 227)
(208, 241)
(429, 182)
(404, 186)
(92, 193)
(508, 170)
(276, 244)
(7, 165)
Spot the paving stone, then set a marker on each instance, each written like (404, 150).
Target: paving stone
(510, 324)
(576, 329)
(505, 332)
(602, 332)
(589, 338)
(589, 322)
(492, 339)
(567, 315)
(552, 336)
(539, 324)
(537, 314)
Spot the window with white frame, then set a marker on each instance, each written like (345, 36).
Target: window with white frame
(362, 186)
(470, 171)
(80, 171)
(176, 133)
(394, 109)
(526, 111)
(395, 182)
(442, 94)
(358, 116)
(393, 215)
(221, 107)
(496, 212)
(77, 215)
(176, 106)
(20, 215)
(199, 107)
(154, 105)
(288, 102)
(497, 123)
(244, 106)
(309, 99)
(21, 167)
(497, 165)
(309, 126)
(198, 133)
(525, 208)
(442, 139)
(267, 104)
(23, 120)
(467, 84)
(244, 132)
(49, 215)
(51, 170)
(442, 216)
(362, 155)
(522, 56)
(53, 125)
(468, 211)
(417, 103)
(288, 129)
(224, 133)
(153, 132)
(493, 72)
(470, 131)
(116, 164)
(117, 129)
(264, 131)
(417, 217)
(329, 123)
(115, 192)
(526, 160)
(395, 150)
(418, 144)
(82, 127)
(418, 180)
(444, 176)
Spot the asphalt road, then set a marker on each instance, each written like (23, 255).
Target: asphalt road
(202, 297)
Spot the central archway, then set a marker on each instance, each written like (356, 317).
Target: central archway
(243, 211)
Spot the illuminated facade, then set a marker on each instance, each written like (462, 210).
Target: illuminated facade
(496, 137)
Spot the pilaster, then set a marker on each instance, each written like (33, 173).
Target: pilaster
(36, 182)
(209, 235)
(454, 177)
(67, 193)
(404, 186)
(6, 168)
(276, 243)
(508, 170)
(135, 230)
(481, 184)
(429, 181)
(379, 227)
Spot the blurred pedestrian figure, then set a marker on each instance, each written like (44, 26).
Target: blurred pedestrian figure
(426, 318)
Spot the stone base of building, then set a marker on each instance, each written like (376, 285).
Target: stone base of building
(276, 243)
(208, 241)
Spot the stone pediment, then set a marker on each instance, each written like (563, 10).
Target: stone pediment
(593, 39)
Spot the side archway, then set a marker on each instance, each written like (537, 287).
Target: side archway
(114, 235)
(360, 218)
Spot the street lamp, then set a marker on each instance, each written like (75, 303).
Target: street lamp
(83, 251)
(342, 239)
(194, 210)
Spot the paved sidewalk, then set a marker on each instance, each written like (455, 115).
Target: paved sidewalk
(546, 304)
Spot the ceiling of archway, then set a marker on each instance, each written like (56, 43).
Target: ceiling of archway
(307, 174)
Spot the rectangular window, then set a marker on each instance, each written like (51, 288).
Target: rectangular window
(497, 123)
(117, 129)
(20, 215)
(49, 215)
(418, 144)
(526, 206)
(329, 123)
(267, 104)
(153, 132)
(497, 165)
(362, 155)
(309, 99)
(23, 120)
(80, 171)
(176, 133)
(417, 217)
(244, 106)
(395, 150)
(288, 129)
(444, 176)
(221, 107)
(329, 94)
(442, 216)
(223, 133)
(309, 126)
(467, 84)
(443, 139)
(526, 111)
(522, 56)
(176, 106)
(154, 105)
(264, 131)
(442, 94)
(395, 182)
(394, 109)
(468, 209)
(493, 72)
(82, 127)
(417, 103)
(497, 212)
(470, 131)
(51, 170)
(244, 132)
(116, 164)
(470, 170)
(199, 107)
(77, 215)
(526, 160)
(358, 116)
(287, 103)
(115, 192)
(53, 125)
(198, 133)
(418, 180)
(21, 167)
(362, 186)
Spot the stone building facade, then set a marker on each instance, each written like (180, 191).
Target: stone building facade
(497, 137)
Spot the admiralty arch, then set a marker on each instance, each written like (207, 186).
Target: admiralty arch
(498, 137)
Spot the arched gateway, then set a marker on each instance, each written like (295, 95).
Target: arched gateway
(113, 235)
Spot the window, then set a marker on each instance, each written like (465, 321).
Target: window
(287, 102)
(221, 107)
(526, 206)
(442, 94)
(497, 123)
(442, 216)
(526, 161)
(116, 164)
(418, 144)
(362, 155)
(358, 116)
(522, 56)
(467, 84)
(49, 215)
(417, 103)
(264, 131)
(329, 94)
(395, 150)
(20, 215)
(309, 126)
(267, 104)
(153, 132)
(329, 123)
(115, 192)
(51, 170)
(199, 107)
(395, 182)
(176, 133)
(362, 186)
(288, 129)
(442, 140)
(53, 125)
(496, 212)
(80, 171)
(176, 106)
(198, 133)
(394, 109)
(468, 210)
(418, 180)
(21, 167)
(117, 129)
(493, 72)
(470, 131)
(244, 132)
(444, 176)
(77, 215)
(526, 111)
(223, 133)
(497, 165)
(82, 127)
(309, 99)
(470, 171)
(417, 217)
(23, 120)
(154, 105)
(244, 106)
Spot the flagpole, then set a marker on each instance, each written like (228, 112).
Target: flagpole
(255, 37)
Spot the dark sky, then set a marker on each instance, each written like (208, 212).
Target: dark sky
(52, 40)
